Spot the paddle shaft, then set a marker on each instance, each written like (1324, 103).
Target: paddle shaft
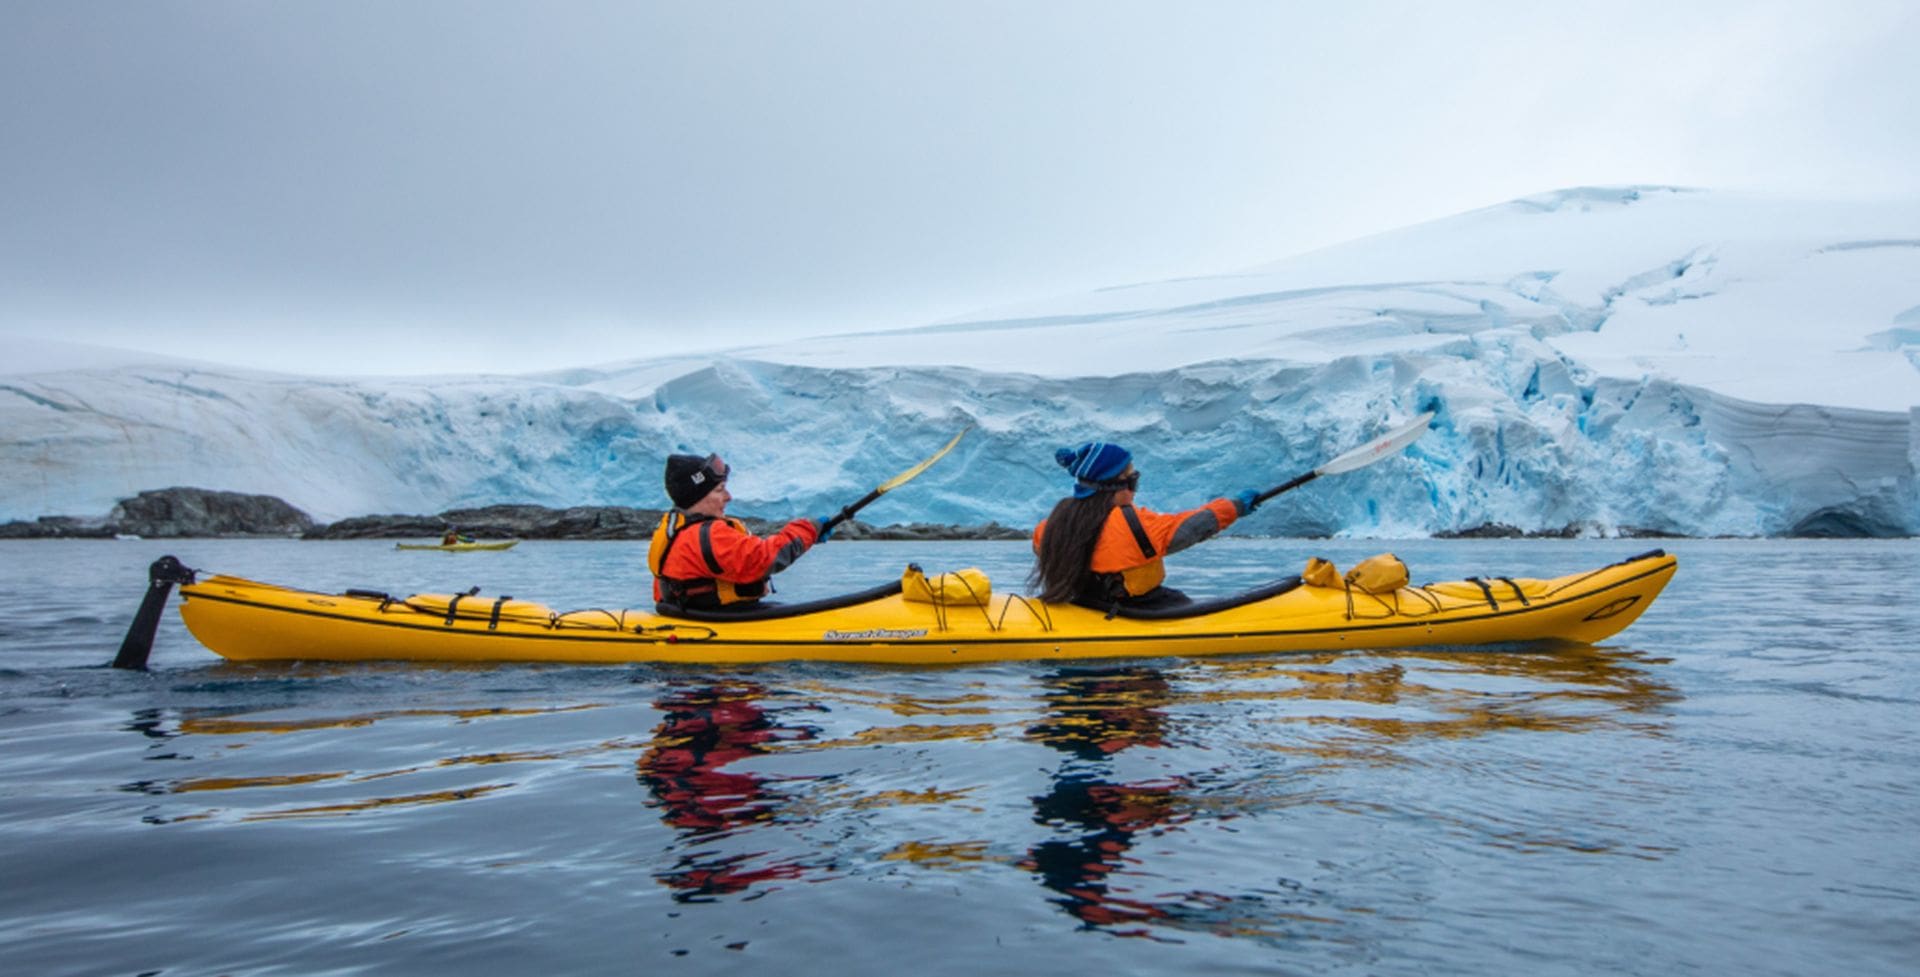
(893, 483)
(847, 513)
(1289, 486)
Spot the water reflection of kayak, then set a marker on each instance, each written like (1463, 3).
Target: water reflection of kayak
(245, 620)
(458, 547)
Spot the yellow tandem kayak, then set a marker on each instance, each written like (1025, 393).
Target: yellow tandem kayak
(245, 620)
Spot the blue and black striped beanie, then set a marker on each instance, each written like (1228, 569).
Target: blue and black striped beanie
(1093, 463)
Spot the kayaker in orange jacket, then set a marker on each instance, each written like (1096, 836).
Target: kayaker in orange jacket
(703, 560)
(1098, 548)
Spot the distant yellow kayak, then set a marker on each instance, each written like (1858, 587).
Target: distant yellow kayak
(249, 621)
(458, 547)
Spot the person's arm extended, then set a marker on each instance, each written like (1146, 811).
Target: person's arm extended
(1173, 532)
(744, 557)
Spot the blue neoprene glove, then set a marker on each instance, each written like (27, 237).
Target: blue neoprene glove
(824, 529)
(1247, 501)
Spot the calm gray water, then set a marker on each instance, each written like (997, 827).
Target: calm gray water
(1732, 786)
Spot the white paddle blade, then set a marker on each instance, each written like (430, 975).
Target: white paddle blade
(1386, 446)
(911, 473)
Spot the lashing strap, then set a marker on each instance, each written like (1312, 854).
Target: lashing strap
(1482, 584)
(1524, 602)
(453, 606)
(386, 600)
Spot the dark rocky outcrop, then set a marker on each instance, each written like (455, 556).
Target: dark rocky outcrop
(603, 522)
(196, 512)
(179, 512)
(856, 529)
(501, 522)
(56, 527)
(174, 512)
(1500, 530)
(1486, 530)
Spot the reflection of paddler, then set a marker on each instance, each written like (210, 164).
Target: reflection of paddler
(704, 730)
(699, 879)
(1097, 714)
(1112, 814)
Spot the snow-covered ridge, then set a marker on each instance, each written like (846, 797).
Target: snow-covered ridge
(1610, 359)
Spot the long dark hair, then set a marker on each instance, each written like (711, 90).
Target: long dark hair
(1062, 569)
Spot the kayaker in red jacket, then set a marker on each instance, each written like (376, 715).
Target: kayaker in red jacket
(1097, 547)
(704, 560)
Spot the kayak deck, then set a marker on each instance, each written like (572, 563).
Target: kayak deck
(246, 620)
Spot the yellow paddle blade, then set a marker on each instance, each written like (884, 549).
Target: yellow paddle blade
(914, 472)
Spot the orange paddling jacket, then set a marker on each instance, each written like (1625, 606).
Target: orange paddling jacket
(1128, 558)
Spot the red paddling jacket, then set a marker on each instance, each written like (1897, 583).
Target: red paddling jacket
(705, 563)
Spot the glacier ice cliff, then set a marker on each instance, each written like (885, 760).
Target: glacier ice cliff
(1606, 360)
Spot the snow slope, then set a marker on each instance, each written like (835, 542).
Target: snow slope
(1606, 359)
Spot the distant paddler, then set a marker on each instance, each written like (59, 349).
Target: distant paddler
(460, 543)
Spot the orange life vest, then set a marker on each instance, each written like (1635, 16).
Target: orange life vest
(696, 592)
(1125, 561)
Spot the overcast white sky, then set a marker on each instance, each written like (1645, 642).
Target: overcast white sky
(405, 187)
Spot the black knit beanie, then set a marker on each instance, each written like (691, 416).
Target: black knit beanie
(689, 479)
